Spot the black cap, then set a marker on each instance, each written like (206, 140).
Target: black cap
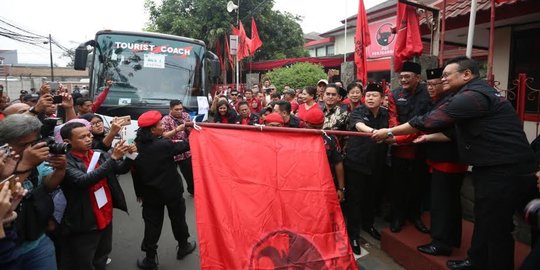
(412, 67)
(374, 87)
(31, 97)
(435, 73)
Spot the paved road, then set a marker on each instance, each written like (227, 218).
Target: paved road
(128, 233)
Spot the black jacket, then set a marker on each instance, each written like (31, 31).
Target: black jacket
(488, 129)
(79, 215)
(156, 178)
(364, 154)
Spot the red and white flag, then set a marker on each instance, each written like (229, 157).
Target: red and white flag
(266, 201)
(361, 41)
(408, 40)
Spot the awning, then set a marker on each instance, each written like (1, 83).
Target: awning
(327, 62)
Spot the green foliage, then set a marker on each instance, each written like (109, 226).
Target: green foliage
(298, 75)
(209, 20)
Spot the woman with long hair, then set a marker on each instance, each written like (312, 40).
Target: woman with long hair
(225, 114)
(308, 95)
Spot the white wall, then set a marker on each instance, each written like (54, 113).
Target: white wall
(501, 55)
(342, 46)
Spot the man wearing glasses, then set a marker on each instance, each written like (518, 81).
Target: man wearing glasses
(490, 137)
(234, 100)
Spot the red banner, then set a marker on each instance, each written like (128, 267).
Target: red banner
(361, 41)
(266, 201)
(408, 40)
(382, 38)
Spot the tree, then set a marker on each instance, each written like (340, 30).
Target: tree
(296, 76)
(209, 20)
(70, 53)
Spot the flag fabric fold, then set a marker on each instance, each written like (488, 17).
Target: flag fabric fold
(256, 42)
(228, 52)
(266, 201)
(408, 40)
(362, 40)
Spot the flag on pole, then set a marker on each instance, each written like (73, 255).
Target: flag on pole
(228, 52)
(255, 40)
(408, 40)
(244, 43)
(266, 201)
(362, 40)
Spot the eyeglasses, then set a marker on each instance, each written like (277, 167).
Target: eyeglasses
(433, 84)
(98, 123)
(234, 94)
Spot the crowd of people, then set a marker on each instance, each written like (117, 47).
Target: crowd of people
(62, 183)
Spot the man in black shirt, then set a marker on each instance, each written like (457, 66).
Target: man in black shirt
(490, 137)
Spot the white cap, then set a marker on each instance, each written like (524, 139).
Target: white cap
(322, 81)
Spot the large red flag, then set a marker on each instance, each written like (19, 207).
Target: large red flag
(408, 40)
(362, 40)
(266, 201)
(219, 52)
(256, 42)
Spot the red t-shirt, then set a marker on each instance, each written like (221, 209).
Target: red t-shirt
(302, 110)
(103, 215)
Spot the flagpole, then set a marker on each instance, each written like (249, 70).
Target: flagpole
(345, 41)
(280, 129)
(470, 34)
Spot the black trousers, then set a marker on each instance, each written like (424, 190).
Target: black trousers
(498, 191)
(153, 214)
(86, 251)
(360, 199)
(446, 208)
(187, 171)
(406, 189)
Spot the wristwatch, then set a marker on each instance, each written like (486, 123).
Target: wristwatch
(33, 110)
(341, 189)
(390, 134)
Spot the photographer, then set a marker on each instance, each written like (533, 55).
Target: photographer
(22, 132)
(103, 138)
(92, 190)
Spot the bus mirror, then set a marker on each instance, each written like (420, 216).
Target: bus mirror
(81, 55)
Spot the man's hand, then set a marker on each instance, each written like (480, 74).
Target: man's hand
(33, 156)
(17, 194)
(45, 101)
(58, 162)
(132, 149)
(341, 195)
(380, 135)
(5, 201)
(119, 150)
(45, 89)
(116, 125)
(180, 128)
(67, 101)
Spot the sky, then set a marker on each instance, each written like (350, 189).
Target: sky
(71, 22)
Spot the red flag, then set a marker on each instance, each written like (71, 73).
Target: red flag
(219, 52)
(228, 52)
(278, 209)
(408, 40)
(362, 40)
(256, 42)
(244, 43)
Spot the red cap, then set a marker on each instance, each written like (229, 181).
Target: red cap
(273, 117)
(314, 116)
(149, 118)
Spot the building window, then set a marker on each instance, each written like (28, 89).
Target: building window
(330, 50)
(312, 53)
(321, 51)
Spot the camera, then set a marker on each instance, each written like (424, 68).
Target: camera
(56, 148)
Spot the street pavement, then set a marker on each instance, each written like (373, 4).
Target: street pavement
(128, 232)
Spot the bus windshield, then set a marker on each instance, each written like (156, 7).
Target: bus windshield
(147, 71)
